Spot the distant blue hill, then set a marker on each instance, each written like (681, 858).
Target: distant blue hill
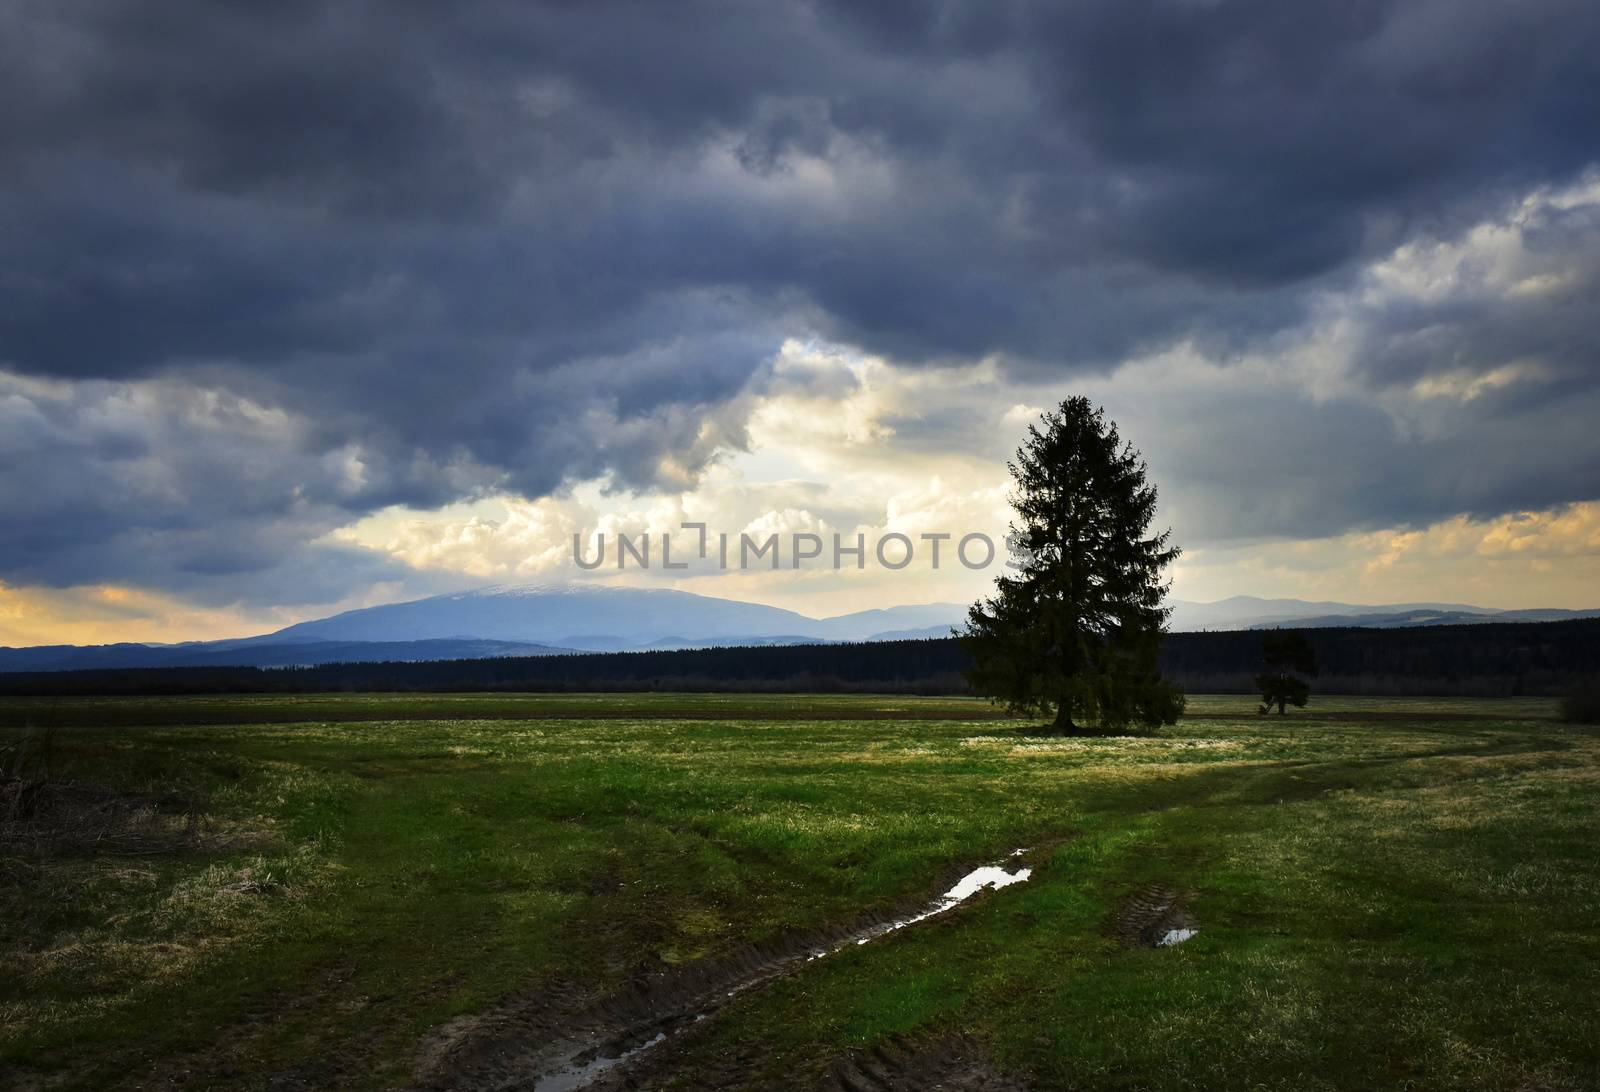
(284, 654)
(920, 633)
(539, 620)
(1252, 612)
(528, 620)
(603, 617)
(1404, 619)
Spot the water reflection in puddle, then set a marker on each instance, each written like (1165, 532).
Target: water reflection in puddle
(989, 877)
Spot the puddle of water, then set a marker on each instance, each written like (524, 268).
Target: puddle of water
(573, 1075)
(1175, 936)
(989, 877)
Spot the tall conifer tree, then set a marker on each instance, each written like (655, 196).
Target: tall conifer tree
(1076, 626)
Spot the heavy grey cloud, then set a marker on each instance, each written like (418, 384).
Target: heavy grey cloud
(509, 245)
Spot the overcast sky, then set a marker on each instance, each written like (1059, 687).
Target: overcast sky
(311, 305)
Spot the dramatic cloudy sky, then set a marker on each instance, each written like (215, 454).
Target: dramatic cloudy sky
(310, 305)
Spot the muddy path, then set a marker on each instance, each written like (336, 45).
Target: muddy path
(561, 1043)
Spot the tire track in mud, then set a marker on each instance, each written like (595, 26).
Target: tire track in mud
(898, 1064)
(559, 1042)
(1154, 917)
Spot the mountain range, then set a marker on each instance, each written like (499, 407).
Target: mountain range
(552, 619)
(1250, 612)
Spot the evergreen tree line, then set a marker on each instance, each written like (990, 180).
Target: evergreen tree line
(1506, 659)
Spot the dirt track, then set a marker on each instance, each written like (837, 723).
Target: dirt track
(561, 1042)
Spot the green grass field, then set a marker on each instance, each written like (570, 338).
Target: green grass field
(299, 892)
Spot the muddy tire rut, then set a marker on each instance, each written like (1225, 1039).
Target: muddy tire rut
(898, 1064)
(1154, 917)
(561, 1040)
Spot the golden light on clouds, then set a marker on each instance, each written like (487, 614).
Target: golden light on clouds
(109, 613)
(1525, 559)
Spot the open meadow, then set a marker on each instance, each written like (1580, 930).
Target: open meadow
(475, 891)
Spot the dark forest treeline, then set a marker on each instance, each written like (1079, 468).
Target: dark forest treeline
(1482, 660)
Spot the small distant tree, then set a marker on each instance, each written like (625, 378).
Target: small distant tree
(1076, 630)
(1289, 664)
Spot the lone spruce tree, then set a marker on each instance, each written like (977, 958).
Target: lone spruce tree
(1076, 626)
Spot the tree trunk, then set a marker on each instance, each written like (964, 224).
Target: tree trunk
(1063, 724)
(1281, 703)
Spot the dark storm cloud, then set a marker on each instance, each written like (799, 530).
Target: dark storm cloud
(513, 244)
